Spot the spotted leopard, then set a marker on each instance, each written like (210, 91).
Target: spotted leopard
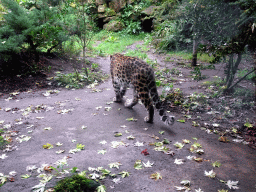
(127, 70)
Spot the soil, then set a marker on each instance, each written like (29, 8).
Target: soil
(67, 111)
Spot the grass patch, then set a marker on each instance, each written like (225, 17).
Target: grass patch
(188, 56)
(112, 42)
(136, 53)
(216, 82)
(242, 72)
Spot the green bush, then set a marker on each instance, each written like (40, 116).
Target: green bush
(76, 183)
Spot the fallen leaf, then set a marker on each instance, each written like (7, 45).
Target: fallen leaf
(101, 188)
(198, 159)
(138, 144)
(179, 145)
(117, 180)
(223, 139)
(185, 183)
(148, 164)
(161, 132)
(155, 176)
(124, 174)
(103, 142)
(181, 120)
(48, 146)
(116, 165)
(130, 137)
(102, 151)
(232, 184)
(25, 176)
(210, 174)
(145, 152)
(178, 161)
(138, 165)
(131, 119)
(118, 134)
(216, 164)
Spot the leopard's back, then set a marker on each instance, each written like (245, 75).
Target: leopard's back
(127, 70)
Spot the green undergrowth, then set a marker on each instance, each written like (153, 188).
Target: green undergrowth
(79, 79)
(76, 183)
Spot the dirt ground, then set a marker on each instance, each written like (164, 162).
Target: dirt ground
(87, 116)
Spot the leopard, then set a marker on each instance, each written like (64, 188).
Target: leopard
(126, 71)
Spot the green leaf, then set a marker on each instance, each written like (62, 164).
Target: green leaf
(216, 164)
(166, 141)
(124, 174)
(156, 176)
(105, 171)
(101, 188)
(48, 146)
(131, 119)
(248, 125)
(161, 132)
(118, 134)
(25, 176)
(116, 165)
(179, 145)
(79, 146)
(181, 120)
(138, 165)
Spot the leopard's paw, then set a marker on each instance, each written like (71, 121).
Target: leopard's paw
(147, 120)
(117, 100)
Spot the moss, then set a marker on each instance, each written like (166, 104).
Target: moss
(76, 183)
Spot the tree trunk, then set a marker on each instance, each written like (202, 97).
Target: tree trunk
(194, 59)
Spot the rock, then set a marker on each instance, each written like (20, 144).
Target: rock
(101, 8)
(117, 4)
(113, 26)
(150, 10)
(100, 2)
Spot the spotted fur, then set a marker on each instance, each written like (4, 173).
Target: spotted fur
(131, 70)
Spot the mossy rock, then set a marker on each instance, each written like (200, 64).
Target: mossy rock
(76, 183)
(114, 26)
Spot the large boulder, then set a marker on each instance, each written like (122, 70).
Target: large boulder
(114, 26)
(117, 4)
(150, 10)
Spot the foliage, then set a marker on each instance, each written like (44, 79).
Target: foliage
(30, 27)
(76, 183)
(78, 80)
(130, 14)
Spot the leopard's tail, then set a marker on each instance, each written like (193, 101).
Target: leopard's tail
(168, 120)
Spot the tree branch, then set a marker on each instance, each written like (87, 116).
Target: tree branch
(231, 87)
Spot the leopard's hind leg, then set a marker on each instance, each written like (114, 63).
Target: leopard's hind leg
(134, 100)
(117, 89)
